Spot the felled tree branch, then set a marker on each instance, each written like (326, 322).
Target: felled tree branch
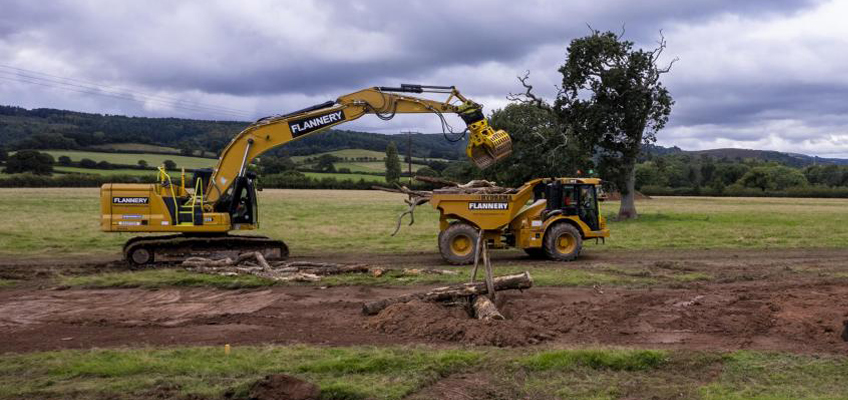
(419, 197)
(302, 271)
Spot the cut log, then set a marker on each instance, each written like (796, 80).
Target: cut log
(262, 262)
(485, 310)
(341, 269)
(448, 293)
(421, 271)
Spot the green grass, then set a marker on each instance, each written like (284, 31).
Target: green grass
(137, 147)
(342, 373)
(719, 222)
(63, 221)
(762, 376)
(376, 166)
(132, 158)
(346, 177)
(542, 276)
(349, 153)
(611, 359)
(66, 221)
(4, 283)
(151, 279)
(392, 372)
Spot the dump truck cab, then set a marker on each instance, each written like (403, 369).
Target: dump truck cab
(548, 217)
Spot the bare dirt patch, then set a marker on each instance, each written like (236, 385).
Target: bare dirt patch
(283, 387)
(795, 317)
(781, 300)
(429, 321)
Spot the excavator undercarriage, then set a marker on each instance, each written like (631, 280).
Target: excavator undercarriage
(174, 248)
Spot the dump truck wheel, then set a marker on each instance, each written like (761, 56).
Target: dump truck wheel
(457, 243)
(535, 252)
(563, 242)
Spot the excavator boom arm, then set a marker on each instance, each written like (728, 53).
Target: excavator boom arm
(485, 145)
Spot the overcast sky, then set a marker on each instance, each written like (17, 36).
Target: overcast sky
(764, 74)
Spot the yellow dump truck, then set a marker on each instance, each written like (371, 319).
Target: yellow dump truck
(545, 217)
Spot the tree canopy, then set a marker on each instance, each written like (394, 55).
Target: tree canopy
(29, 161)
(611, 102)
(392, 163)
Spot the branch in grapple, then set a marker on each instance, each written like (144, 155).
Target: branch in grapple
(419, 197)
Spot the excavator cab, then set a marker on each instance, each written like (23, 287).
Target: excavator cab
(241, 202)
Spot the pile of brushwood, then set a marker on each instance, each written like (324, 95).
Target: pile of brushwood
(254, 263)
(419, 197)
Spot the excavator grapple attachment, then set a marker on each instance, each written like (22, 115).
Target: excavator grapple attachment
(487, 146)
(493, 149)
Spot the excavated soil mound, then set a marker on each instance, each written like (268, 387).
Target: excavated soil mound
(436, 322)
(283, 387)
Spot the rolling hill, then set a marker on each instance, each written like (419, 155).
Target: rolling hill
(52, 129)
(789, 159)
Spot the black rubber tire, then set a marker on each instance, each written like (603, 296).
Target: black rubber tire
(552, 238)
(448, 236)
(535, 252)
(140, 256)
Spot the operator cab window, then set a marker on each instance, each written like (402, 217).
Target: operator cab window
(589, 206)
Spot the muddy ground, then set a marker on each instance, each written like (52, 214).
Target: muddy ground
(782, 300)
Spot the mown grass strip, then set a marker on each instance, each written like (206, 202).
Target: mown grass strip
(612, 359)
(774, 376)
(396, 371)
(342, 373)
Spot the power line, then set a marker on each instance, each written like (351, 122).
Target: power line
(26, 76)
(167, 98)
(99, 93)
(121, 95)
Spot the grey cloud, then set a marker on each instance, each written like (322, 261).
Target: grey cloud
(247, 51)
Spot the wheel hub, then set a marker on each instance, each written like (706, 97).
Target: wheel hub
(565, 244)
(461, 245)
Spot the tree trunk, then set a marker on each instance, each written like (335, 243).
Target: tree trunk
(628, 194)
(448, 293)
(485, 310)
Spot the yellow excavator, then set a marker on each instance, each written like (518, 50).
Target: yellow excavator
(223, 199)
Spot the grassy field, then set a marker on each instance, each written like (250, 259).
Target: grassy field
(376, 166)
(348, 153)
(347, 177)
(62, 221)
(550, 275)
(137, 147)
(132, 158)
(120, 171)
(394, 372)
(354, 153)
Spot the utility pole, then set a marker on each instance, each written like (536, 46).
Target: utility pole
(409, 152)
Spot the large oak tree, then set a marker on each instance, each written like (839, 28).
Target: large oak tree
(611, 101)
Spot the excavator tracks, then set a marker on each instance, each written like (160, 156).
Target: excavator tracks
(143, 250)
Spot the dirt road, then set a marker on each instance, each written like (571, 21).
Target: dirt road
(756, 300)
